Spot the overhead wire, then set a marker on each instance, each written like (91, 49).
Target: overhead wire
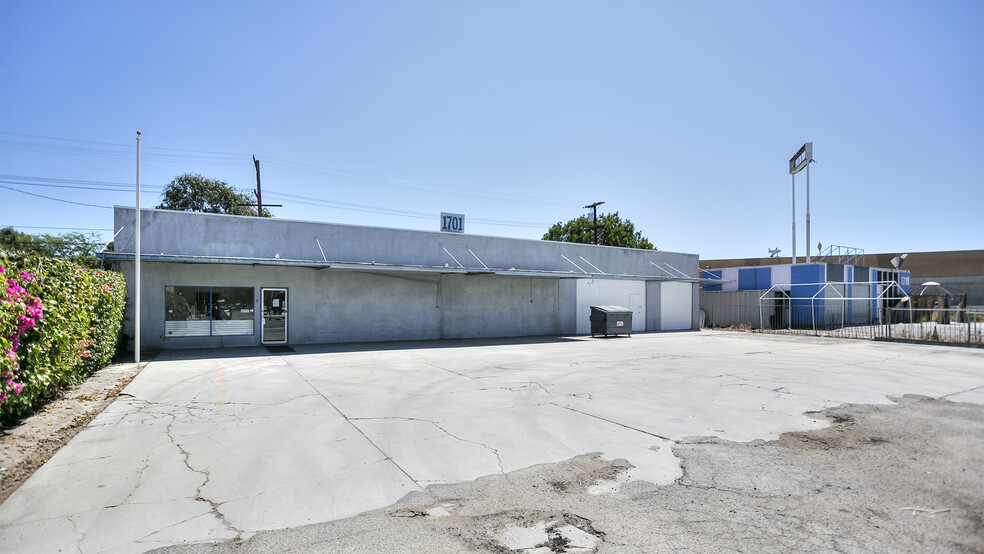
(56, 228)
(123, 151)
(385, 211)
(56, 199)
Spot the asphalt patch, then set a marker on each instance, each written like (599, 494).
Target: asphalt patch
(903, 477)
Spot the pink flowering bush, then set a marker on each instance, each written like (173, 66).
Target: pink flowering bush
(58, 323)
(21, 311)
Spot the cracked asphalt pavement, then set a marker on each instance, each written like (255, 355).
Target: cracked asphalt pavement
(709, 441)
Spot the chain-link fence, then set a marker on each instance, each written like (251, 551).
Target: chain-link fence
(896, 318)
(947, 325)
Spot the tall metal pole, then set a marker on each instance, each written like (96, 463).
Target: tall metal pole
(808, 244)
(803, 157)
(136, 266)
(794, 218)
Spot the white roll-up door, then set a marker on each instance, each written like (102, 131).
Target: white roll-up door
(676, 305)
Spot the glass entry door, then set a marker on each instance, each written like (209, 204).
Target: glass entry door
(274, 316)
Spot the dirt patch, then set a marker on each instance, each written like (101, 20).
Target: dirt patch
(27, 446)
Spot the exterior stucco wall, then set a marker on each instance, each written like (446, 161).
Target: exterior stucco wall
(196, 234)
(353, 306)
(498, 306)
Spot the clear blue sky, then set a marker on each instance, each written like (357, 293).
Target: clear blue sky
(681, 116)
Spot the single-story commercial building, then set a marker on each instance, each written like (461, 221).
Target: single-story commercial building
(211, 280)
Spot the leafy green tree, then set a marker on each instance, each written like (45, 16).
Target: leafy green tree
(191, 192)
(612, 231)
(81, 248)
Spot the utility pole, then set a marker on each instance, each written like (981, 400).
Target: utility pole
(594, 219)
(259, 195)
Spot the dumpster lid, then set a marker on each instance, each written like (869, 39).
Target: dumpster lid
(612, 309)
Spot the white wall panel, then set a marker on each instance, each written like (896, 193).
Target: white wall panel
(782, 275)
(729, 274)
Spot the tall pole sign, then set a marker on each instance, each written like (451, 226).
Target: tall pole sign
(802, 159)
(136, 266)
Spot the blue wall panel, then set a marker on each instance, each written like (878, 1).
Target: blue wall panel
(763, 277)
(805, 278)
(746, 279)
(715, 274)
(754, 278)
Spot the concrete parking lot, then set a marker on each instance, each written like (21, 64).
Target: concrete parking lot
(220, 445)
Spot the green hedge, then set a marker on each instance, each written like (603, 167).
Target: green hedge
(59, 322)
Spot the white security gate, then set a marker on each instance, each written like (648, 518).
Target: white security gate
(610, 292)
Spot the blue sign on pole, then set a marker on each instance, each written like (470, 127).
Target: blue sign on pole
(452, 223)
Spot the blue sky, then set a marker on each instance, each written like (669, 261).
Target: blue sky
(681, 116)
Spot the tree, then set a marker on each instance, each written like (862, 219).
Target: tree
(191, 192)
(612, 231)
(81, 248)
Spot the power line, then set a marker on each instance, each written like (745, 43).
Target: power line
(293, 197)
(68, 181)
(388, 211)
(56, 228)
(77, 187)
(55, 199)
(123, 151)
(127, 146)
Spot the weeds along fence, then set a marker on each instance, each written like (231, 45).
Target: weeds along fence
(880, 317)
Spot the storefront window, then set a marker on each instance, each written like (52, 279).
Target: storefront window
(207, 311)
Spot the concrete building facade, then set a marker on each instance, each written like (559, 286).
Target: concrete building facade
(213, 280)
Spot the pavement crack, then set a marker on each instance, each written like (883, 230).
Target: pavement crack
(541, 387)
(613, 422)
(385, 455)
(140, 475)
(498, 458)
(216, 512)
(437, 425)
(147, 537)
(963, 391)
(451, 371)
(75, 530)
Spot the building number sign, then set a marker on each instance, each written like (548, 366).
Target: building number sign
(452, 223)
